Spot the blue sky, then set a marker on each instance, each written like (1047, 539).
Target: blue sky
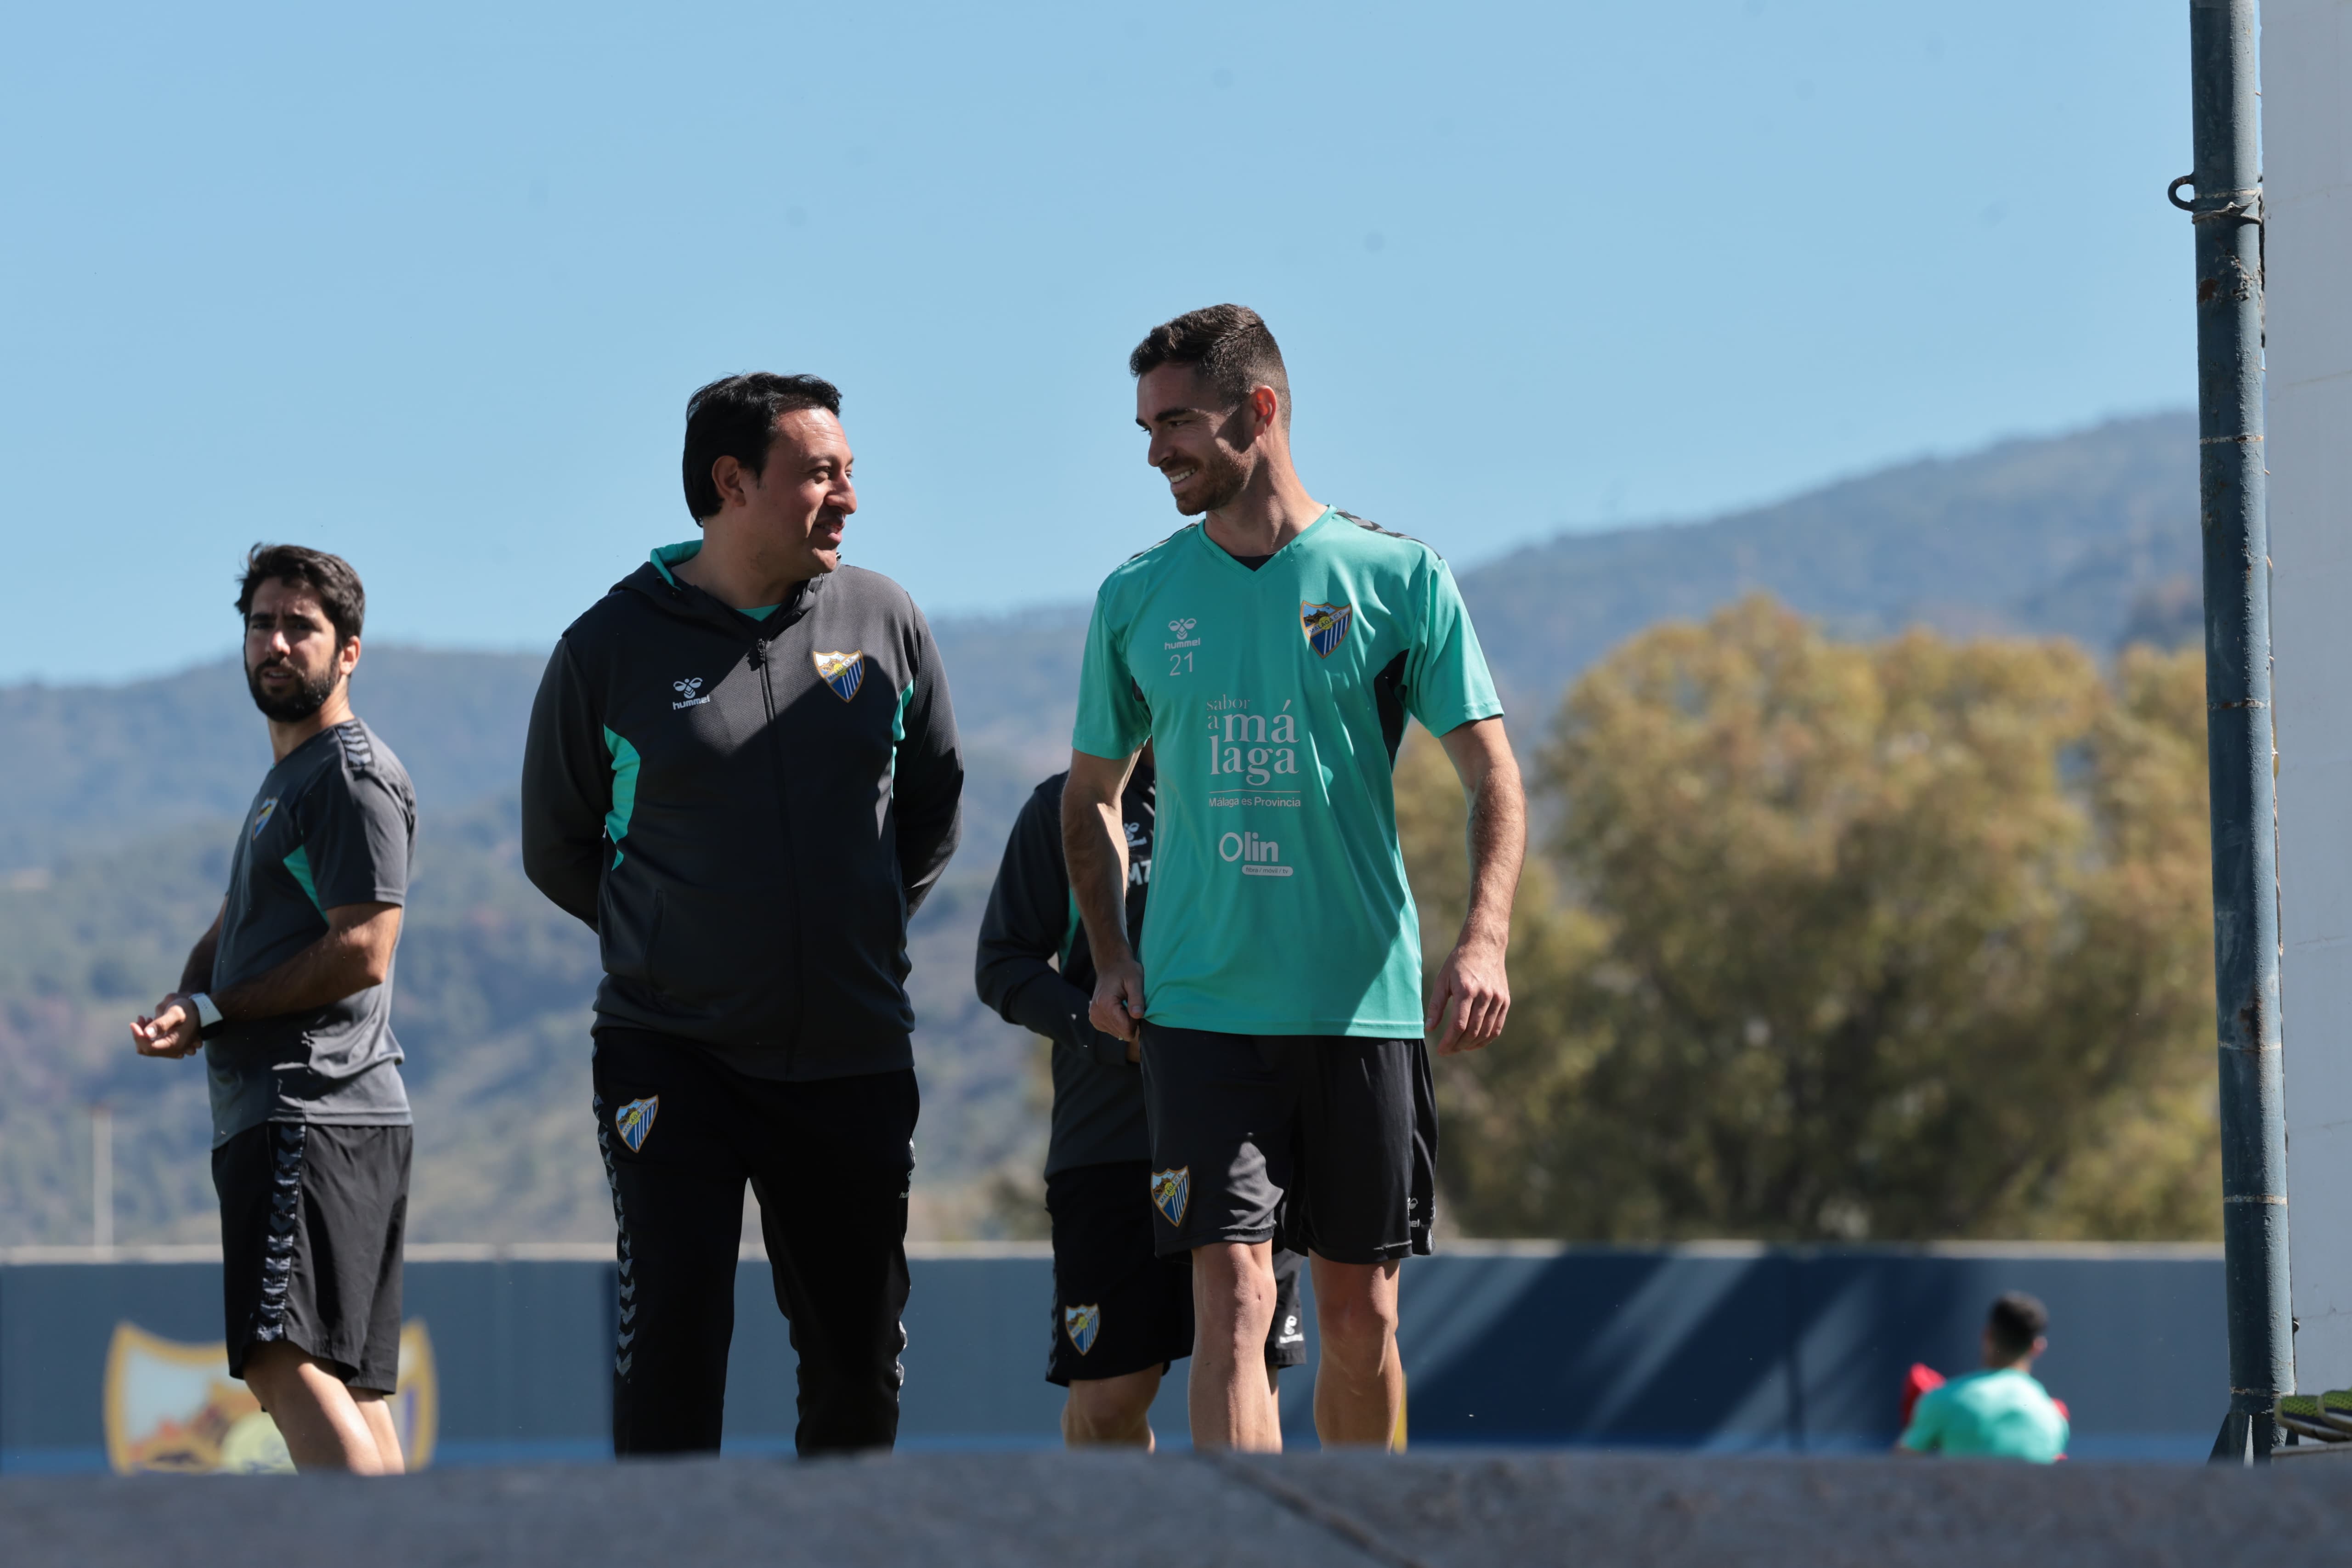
(428, 285)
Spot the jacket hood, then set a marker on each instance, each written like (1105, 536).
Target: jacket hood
(657, 583)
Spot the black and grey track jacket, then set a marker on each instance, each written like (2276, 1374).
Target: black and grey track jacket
(747, 811)
(1032, 925)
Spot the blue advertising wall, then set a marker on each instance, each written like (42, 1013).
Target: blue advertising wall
(1721, 1347)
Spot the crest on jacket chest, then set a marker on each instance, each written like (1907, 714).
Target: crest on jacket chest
(844, 672)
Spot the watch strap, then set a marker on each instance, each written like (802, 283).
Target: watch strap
(208, 1015)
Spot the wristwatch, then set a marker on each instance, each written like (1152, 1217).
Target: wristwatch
(208, 1017)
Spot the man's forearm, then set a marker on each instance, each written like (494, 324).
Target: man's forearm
(1498, 845)
(1095, 845)
(1049, 1005)
(196, 975)
(346, 960)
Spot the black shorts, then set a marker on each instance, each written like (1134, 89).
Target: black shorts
(1118, 1307)
(311, 1222)
(1320, 1144)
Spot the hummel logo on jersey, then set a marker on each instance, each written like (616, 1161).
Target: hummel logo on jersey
(261, 818)
(1326, 626)
(1182, 627)
(687, 690)
(1082, 1324)
(1171, 1193)
(844, 672)
(636, 1119)
(1290, 1334)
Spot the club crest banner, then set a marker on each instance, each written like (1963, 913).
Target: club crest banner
(174, 1408)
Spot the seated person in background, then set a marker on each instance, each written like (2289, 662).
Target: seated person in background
(2000, 1413)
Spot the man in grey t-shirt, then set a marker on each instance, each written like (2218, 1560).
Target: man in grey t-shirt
(289, 997)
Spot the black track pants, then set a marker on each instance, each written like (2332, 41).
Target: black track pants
(829, 1160)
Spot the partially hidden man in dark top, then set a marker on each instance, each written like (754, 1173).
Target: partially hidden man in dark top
(1120, 1315)
(742, 771)
(289, 997)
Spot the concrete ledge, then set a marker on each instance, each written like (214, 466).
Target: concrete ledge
(1422, 1511)
(602, 1251)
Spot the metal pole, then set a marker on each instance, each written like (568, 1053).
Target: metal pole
(101, 1176)
(2226, 216)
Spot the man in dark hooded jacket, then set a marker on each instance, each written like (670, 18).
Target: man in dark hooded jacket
(743, 770)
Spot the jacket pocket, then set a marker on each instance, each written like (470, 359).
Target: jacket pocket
(629, 926)
(711, 949)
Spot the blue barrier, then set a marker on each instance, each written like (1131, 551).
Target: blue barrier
(1724, 1347)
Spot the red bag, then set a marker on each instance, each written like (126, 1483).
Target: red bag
(1921, 1378)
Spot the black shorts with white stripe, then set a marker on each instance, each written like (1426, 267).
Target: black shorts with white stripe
(312, 1218)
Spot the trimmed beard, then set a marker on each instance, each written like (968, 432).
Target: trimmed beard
(1226, 479)
(307, 698)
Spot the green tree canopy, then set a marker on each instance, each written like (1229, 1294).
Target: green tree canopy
(1902, 940)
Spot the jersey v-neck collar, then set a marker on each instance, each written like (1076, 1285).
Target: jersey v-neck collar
(1258, 571)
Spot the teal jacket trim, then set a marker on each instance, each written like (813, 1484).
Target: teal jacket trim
(625, 791)
(666, 556)
(899, 726)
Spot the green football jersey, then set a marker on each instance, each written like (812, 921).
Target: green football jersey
(1275, 700)
(2002, 1414)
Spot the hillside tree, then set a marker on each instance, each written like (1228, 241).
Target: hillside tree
(1835, 940)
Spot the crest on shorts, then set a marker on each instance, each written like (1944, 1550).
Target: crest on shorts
(844, 672)
(1326, 626)
(1082, 1324)
(1171, 1193)
(261, 818)
(634, 1119)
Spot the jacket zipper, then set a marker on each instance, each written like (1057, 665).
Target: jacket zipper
(799, 1002)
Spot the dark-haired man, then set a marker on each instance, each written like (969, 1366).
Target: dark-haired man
(742, 771)
(2000, 1413)
(1270, 655)
(1121, 1313)
(289, 997)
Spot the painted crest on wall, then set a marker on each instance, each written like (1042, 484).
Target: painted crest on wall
(172, 1407)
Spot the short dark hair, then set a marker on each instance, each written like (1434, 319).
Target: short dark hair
(1228, 344)
(735, 417)
(2016, 1321)
(329, 576)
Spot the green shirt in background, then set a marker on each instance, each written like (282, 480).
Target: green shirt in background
(2004, 1415)
(1275, 700)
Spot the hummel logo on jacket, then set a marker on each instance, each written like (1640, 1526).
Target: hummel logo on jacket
(747, 810)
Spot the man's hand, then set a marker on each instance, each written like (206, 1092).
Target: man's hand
(170, 1032)
(1117, 1007)
(1471, 1000)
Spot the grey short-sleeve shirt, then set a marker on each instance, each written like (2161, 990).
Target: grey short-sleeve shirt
(333, 824)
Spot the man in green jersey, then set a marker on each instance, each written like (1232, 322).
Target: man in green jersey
(1271, 653)
(2002, 1412)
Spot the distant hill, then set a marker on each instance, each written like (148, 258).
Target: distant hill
(2067, 535)
(115, 806)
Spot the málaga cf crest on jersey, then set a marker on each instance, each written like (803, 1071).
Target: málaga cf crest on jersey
(844, 672)
(1082, 1324)
(634, 1119)
(1327, 625)
(1171, 1191)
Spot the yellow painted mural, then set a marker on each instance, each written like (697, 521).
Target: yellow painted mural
(172, 1407)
